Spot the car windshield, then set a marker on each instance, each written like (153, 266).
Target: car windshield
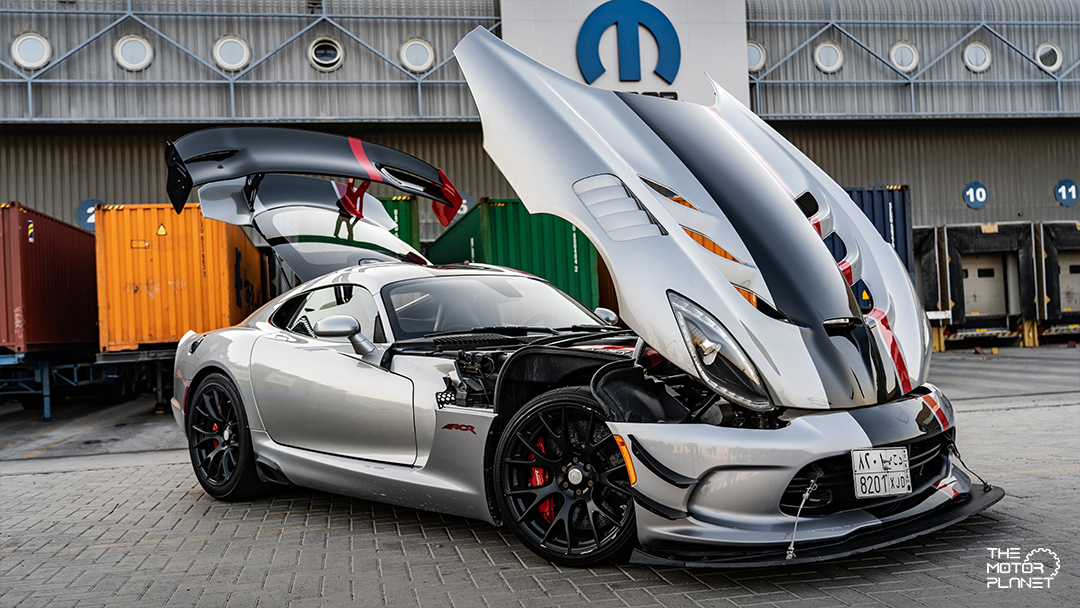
(447, 304)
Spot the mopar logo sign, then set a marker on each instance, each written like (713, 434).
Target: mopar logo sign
(626, 16)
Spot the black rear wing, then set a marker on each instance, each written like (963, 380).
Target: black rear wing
(225, 153)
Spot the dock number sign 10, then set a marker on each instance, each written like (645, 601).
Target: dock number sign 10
(976, 195)
(1066, 192)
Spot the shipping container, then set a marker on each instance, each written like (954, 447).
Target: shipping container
(405, 213)
(161, 274)
(504, 233)
(991, 279)
(889, 209)
(1059, 277)
(47, 282)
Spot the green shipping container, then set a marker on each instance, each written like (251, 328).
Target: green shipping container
(502, 232)
(403, 210)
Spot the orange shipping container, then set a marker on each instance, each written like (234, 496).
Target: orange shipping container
(161, 274)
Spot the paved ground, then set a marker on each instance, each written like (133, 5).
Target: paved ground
(80, 526)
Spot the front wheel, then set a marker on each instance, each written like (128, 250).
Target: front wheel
(561, 481)
(220, 442)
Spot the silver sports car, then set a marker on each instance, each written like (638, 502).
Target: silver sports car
(753, 414)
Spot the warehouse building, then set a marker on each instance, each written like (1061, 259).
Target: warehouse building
(974, 104)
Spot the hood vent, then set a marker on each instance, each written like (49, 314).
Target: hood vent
(617, 211)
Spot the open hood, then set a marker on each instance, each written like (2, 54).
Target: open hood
(712, 226)
(317, 226)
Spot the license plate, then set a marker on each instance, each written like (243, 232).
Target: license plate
(882, 472)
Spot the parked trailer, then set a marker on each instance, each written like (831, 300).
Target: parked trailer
(48, 308)
(991, 281)
(1058, 277)
(503, 232)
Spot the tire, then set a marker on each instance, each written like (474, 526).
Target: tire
(578, 524)
(219, 442)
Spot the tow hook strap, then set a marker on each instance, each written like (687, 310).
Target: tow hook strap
(955, 450)
(806, 496)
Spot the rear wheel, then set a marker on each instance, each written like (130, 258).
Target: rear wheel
(220, 443)
(561, 481)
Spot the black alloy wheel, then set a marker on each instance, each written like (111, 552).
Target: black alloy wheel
(219, 441)
(562, 484)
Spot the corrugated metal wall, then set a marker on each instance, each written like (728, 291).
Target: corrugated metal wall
(53, 168)
(865, 86)
(1020, 162)
(282, 85)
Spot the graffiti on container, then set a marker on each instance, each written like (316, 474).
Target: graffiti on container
(245, 291)
(151, 288)
(177, 286)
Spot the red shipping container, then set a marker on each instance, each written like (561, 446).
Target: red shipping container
(48, 282)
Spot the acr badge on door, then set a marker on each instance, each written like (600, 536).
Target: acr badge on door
(881, 472)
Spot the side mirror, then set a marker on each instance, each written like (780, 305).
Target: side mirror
(344, 326)
(607, 316)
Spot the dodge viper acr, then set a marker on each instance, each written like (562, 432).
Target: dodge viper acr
(753, 414)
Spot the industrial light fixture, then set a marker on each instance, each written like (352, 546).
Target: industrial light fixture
(133, 53)
(417, 55)
(755, 56)
(31, 50)
(231, 53)
(977, 57)
(326, 54)
(1049, 56)
(904, 56)
(828, 57)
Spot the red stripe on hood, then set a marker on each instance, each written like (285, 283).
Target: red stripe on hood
(894, 349)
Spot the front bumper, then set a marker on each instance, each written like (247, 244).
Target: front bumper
(958, 510)
(714, 495)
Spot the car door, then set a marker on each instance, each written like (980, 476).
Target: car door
(317, 394)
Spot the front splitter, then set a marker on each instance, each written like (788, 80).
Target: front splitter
(975, 502)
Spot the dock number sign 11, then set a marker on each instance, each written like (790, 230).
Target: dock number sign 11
(976, 195)
(1066, 192)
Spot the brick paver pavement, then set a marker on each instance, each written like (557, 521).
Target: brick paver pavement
(146, 535)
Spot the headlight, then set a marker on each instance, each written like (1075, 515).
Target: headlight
(720, 361)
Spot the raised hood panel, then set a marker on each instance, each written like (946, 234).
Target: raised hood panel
(678, 199)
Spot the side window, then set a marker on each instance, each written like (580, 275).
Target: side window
(351, 300)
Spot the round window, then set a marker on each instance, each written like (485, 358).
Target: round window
(31, 51)
(828, 57)
(231, 53)
(326, 54)
(904, 56)
(977, 57)
(1049, 56)
(417, 55)
(133, 53)
(755, 55)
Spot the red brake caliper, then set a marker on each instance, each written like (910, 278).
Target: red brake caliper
(540, 478)
(214, 428)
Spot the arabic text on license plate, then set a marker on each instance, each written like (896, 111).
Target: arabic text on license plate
(881, 472)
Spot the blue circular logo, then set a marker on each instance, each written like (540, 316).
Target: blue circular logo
(976, 195)
(1066, 192)
(85, 213)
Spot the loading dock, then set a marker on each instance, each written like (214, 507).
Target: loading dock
(1059, 278)
(990, 274)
